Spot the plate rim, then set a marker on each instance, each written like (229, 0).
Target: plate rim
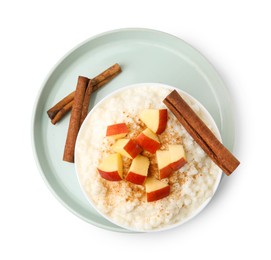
(58, 63)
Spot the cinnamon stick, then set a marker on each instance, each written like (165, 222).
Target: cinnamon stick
(57, 116)
(106, 74)
(106, 80)
(62, 112)
(58, 106)
(201, 133)
(74, 124)
(90, 88)
(99, 81)
(86, 101)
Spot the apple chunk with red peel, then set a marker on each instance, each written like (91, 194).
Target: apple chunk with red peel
(177, 156)
(148, 140)
(156, 189)
(155, 119)
(111, 168)
(117, 131)
(138, 170)
(164, 164)
(127, 147)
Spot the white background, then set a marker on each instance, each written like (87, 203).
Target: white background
(233, 35)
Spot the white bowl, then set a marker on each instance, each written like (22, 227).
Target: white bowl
(87, 146)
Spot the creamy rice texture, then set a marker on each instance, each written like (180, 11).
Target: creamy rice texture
(125, 203)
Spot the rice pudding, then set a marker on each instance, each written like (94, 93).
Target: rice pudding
(124, 203)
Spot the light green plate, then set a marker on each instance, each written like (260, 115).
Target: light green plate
(145, 56)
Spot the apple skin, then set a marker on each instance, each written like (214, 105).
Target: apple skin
(178, 164)
(132, 148)
(135, 178)
(127, 147)
(110, 176)
(156, 189)
(155, 119)
(163, 161)
(138, 171)
(111, 168)
(158, 194)
(162, 121)
(177, 156)
(147, 143)
(165, 172)
(117, 131)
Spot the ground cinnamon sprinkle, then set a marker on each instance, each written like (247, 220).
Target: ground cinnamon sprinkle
(126, 165)
(136, 126)
(125, 203)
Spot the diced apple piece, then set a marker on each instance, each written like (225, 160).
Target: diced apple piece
(156, 189)
(111, 168)
(138, 170)
(164, 163)
(127, 147)
(117, 131)
(148, 140)
(177, 156)
(155, 119)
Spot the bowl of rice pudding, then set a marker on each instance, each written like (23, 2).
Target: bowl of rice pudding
(128, 204)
